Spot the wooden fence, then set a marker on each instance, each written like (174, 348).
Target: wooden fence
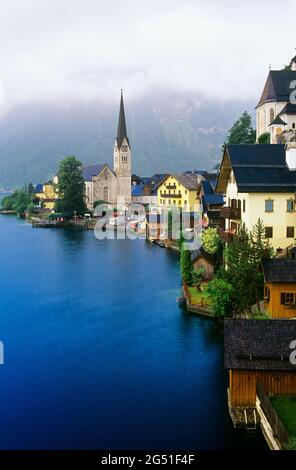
(279, 430)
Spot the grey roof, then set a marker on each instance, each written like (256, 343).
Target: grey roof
(261, 168)
(258, 344)
(278, 121)
(289, 108)
(121, 131)
(92, 170)
(189, 181)
(277, 86)
(201, 253)
(280, 270)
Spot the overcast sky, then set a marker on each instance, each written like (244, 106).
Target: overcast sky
(73, 49)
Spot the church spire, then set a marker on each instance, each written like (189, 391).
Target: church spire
(121, 132)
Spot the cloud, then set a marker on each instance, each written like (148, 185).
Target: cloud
(72, 50)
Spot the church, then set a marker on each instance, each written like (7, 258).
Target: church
(275, 113)
(103, 183)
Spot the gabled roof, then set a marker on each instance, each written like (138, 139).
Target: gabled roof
(201, 253)
(277, 86)
(257, 168)
(210, 196)
(121, 131)
(278, 270)
(258, 344)
(93, 170)
(289, 108)
(278, 122)
(38, 188)
(189, 181)
(137, 189)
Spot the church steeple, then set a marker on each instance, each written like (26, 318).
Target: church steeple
(121, 132)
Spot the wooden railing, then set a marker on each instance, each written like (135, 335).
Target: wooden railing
(231, 213)
(279, 430)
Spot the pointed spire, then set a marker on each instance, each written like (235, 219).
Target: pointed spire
(121, 132)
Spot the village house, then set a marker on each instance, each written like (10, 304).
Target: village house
(258, 351)
(211, 204)
(145, 192)
(280, 287)
(179, 190)
(46, 195)
(259, 181)
(275, 113)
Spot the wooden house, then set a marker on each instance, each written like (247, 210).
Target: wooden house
(201, 259)
(258, 351)
(280, 287)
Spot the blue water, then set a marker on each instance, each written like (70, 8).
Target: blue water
(97, 352)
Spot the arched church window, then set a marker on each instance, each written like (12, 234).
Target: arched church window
(271, 115)
(106, 194)
(293, 125)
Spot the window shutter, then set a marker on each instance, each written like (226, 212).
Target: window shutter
(282, 298)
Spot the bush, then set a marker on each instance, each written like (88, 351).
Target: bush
(221, 294)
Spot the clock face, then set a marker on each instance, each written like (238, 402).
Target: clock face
(124, 148)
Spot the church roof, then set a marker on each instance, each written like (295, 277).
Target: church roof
(38, 188)
(277, 86)
(121, 131)
(92, 170)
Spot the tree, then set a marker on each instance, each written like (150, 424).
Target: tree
(221, 294)
(264, 138)
(30, 189)
(18, 202)
(185, 263)
(210, 240)
(242, 131)
(71, 187)
(198, 276)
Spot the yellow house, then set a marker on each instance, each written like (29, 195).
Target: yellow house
(47, 195)
(259, 181)
(280, 287)
(179, 190)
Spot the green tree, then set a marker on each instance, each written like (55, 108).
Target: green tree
(30, 189)
(210, 240)
(198, 276)
(242, 131)
(264, 138)
(71, 187)
(185, 263)
(221, 294)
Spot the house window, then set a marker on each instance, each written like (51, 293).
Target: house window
(290, 232)
(169, 201)
(185, 202)
(179, 202)
(287, 298)
(293, 125)
(268, 232)
(244, 205)
(174, 201)
(266, 293)
(271, 115)
(269, 205)
(185, 191)
(290, 205)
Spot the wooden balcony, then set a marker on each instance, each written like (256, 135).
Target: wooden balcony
(170, 196)
(225, 235)
(230, 213)
(171, 186)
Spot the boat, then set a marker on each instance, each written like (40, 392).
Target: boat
(160, 243)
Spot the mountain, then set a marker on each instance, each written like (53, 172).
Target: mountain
(168, 132)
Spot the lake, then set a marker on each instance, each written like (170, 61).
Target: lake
(98, 353)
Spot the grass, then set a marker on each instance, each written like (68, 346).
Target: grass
(285, 406)
(198, 297)
(260, 316)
